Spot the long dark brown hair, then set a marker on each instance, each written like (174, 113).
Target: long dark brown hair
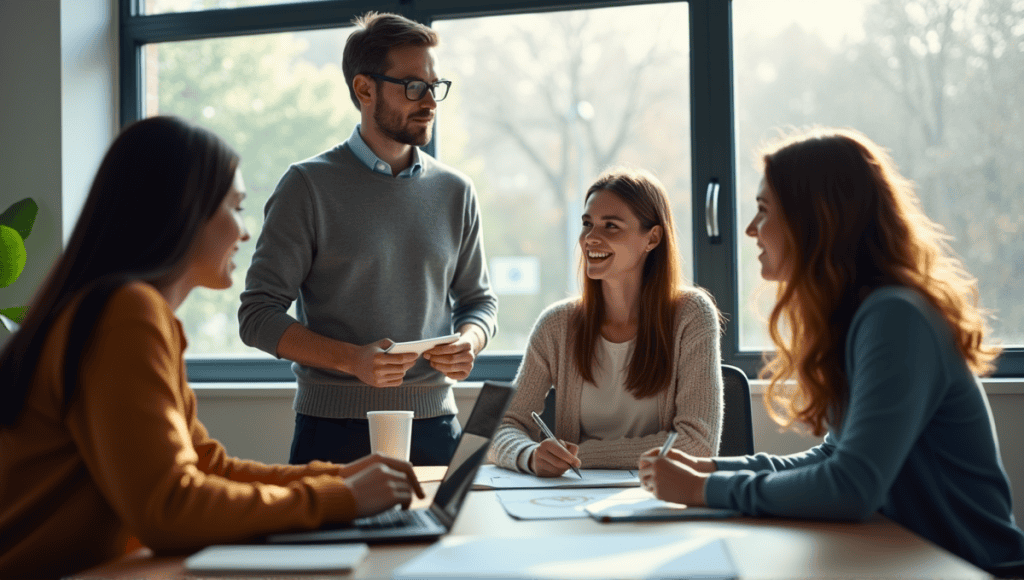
(159, 182)
(852, 223)
(650, 369)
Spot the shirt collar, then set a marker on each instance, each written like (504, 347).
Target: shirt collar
(364, 154)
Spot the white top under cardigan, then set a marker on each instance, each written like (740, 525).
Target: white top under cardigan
(607, 410)
(692, 403)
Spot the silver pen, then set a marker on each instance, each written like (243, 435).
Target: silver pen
(664, 448)
(668, 443)
(547, 433)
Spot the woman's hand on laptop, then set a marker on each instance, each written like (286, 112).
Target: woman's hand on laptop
(378, 483)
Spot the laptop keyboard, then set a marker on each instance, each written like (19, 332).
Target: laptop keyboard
(406, 519)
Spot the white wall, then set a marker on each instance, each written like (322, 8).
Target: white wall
(88, 97)
(258, 423)
(30, 130)
(57, 115)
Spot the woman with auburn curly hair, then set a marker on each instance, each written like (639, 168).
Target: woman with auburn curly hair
(878, 326)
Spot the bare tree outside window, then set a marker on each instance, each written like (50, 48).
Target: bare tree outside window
(938, 82)
(166, 6)
(545, 102)
(276, 99)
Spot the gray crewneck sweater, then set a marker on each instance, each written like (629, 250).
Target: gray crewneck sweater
(368, 256)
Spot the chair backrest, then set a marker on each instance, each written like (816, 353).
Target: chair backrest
(549, 409)
(737, 426)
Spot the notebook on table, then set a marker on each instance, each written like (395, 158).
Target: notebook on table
(433, 522)
(263, 558)
(639, 505)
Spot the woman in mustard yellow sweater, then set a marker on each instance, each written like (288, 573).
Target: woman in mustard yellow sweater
(99, 440)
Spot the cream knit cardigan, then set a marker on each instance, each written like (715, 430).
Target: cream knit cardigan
(692, 403)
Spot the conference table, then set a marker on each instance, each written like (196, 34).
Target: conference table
(760, 548)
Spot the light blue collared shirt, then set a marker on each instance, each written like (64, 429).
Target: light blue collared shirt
(364, 154)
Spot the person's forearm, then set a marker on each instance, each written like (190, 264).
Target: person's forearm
(475, 335)
(301, 345)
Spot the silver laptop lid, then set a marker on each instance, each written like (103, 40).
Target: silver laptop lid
(471, 451)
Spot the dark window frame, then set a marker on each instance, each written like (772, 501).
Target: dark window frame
(713, 146)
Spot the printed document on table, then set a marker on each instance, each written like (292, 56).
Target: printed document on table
(494, 477)
(576, 557)
(552, 503)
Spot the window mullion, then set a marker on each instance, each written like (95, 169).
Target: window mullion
(713, 147)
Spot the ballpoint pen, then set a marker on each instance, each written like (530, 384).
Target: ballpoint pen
(668, 443)
(547, 433)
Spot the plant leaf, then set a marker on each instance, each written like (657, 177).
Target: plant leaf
(15, 313)
(21, 216)
(12, 256)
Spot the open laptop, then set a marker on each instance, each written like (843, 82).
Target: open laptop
(433, 522)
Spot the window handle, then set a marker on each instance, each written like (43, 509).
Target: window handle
(711, 212)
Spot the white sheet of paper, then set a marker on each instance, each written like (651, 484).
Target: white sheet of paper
(494, 477)
(579, 557)
(552, 504)
(421, 346)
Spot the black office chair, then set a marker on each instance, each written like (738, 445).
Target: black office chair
(1013, 571)
(737, 427)
(548, 414)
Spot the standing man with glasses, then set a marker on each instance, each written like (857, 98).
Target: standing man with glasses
(378, 242)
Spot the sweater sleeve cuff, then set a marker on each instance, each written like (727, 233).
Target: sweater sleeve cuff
(731, 463)
(716, 490)
(270, 334)
(488, 327)
(338, 501)
(523, 461)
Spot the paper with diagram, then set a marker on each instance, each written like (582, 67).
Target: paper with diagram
(494, 477)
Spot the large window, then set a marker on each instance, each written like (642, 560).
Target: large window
(938, 82)
(275, 98)
(545, 95)
(541, 103)
(165, 6)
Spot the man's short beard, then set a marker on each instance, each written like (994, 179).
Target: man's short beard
(390, 124)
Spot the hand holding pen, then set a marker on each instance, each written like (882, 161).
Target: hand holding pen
(551, 459)
(674, 475)
(668, 443)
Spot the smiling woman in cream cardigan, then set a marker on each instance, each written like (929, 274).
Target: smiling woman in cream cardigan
(633, 358)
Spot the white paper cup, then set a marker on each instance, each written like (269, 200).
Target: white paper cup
(390, 433)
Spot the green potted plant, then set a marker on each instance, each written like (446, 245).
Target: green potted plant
(15, 226)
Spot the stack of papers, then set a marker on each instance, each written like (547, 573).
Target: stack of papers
(587, 557)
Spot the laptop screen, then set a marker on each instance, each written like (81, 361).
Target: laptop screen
(470, 454)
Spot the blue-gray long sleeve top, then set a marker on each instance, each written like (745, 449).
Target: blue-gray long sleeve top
(917, 443)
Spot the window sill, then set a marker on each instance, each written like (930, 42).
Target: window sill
(220, 390)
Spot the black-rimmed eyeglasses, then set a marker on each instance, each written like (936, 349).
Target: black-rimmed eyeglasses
(416, 90)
